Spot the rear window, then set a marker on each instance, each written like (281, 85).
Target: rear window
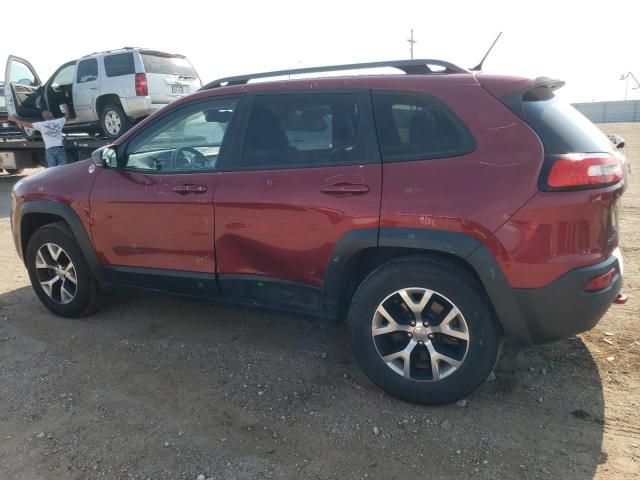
(418, 127)
(562, 128)
(168, 65)
(119, 64)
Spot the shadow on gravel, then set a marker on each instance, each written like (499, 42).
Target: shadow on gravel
(165, 388)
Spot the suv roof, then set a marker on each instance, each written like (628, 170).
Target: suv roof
(138, 49)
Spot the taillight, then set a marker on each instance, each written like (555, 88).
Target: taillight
(142, 89)
(601, 281)
(580, 170)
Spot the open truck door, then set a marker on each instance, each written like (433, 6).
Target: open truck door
(23, 92)
(23, 89)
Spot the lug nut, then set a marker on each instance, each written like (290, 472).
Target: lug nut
(420, 342)
(430, 336)
(410, 334)
(426, 324)
(413, 324)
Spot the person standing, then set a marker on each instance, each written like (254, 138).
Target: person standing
(51, 131)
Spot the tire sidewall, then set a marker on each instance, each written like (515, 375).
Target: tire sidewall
(483, 344)
(60, 236)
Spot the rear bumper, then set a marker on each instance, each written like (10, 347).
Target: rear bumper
(137, 107)
(562, 308)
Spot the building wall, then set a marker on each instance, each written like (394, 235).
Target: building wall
(610, 112)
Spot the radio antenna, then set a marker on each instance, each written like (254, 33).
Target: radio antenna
(478, 68)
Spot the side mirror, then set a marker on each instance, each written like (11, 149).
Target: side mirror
(106, 157)
(617, 140)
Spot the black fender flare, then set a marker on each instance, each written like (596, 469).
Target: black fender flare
(67, 214)
(467, 248)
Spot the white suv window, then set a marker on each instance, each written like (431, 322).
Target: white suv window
(119, 64)
(64, 76)
(87, 70)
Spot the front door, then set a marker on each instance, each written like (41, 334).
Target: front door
(306, 176)
(152, 217)
(22, 89)
(85, 90)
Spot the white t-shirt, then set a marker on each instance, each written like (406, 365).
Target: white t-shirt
(51, 131)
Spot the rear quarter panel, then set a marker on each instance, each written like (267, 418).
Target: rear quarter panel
(474, 193)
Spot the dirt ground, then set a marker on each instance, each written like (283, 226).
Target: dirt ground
(161, 388)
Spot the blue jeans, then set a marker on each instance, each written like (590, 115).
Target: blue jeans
(55, 156)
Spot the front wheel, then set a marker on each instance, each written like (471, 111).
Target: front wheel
(422, 330)
(14, 171)
(59, 273)
(113, 121)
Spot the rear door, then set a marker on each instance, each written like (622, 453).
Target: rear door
(308, 175)
(169, 76)
(23, 89)
(85, 90)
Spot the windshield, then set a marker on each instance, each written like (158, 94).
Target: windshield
(168, 65)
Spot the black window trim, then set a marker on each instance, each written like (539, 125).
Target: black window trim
(366, 148)
(226, 149)
(77, 79)
(470, 142)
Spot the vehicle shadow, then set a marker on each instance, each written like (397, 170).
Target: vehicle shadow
(257, 393)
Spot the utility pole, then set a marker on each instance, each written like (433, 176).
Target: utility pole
(626, 77)
(411, 43)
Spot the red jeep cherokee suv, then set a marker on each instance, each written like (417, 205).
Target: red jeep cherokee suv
(437, 211)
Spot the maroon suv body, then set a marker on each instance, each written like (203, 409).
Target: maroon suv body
(493, 201)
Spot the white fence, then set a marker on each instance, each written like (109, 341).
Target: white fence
(610, 112)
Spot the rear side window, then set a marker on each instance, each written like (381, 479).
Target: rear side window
(301, 130)
(168, 65)
(561, 128)
(418, 126)
(119, 64)
(87, 70)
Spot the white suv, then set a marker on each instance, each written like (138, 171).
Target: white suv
(110, 89)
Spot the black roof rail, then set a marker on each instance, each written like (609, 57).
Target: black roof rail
(410, 67)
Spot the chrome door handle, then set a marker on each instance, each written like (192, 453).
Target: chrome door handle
(185, 189)
(344, 188)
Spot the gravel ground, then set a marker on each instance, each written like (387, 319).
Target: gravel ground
(158, 387)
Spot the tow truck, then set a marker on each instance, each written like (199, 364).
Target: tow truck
(18, 153)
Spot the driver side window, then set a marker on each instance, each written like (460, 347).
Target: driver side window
(187, 140)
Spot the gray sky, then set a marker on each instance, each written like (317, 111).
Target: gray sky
(589, 44)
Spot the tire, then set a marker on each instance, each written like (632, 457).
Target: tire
(451, 287)
(113, 121)
(86, 294)
(14, 171)
(29, 133)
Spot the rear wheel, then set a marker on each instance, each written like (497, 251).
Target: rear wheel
(423, 331)
(113, 121)
(59, 273)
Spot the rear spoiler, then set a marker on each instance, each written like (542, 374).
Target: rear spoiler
(541, 88)
(161, 54)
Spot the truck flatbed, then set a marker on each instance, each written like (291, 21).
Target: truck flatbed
(17, 153)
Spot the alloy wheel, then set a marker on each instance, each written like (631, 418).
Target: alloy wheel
(112, 122)
(56, 273)
(420, 334)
